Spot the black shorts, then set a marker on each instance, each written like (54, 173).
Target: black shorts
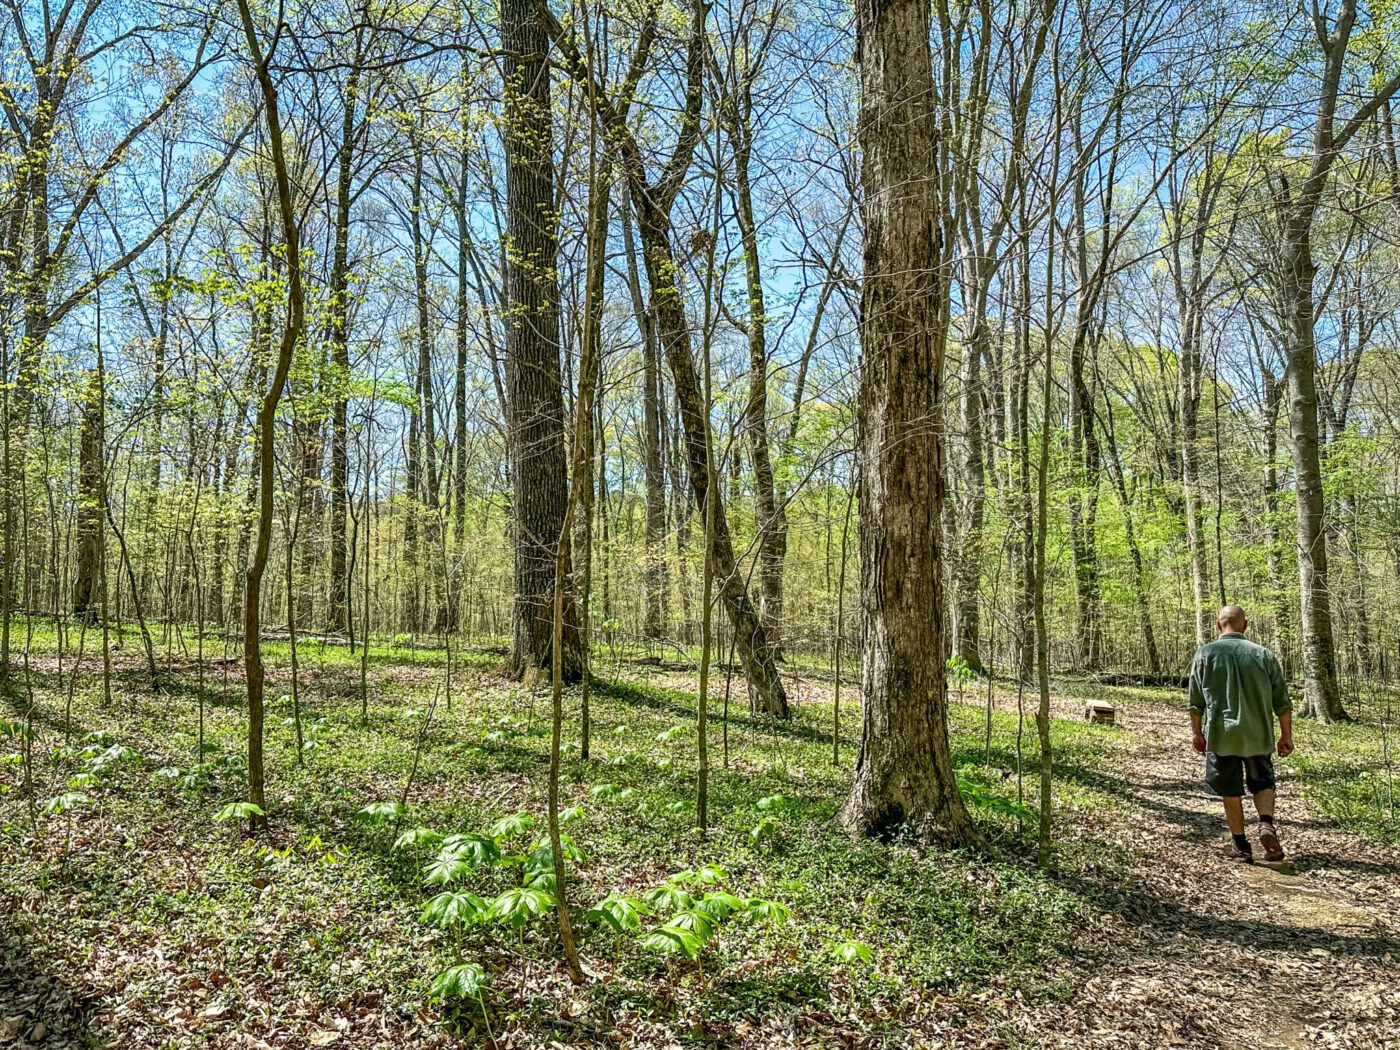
(1229, 775)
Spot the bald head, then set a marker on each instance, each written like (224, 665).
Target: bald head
(1231, 618)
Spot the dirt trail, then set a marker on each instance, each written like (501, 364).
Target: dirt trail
(1213, 952)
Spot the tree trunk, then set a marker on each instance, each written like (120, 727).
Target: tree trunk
(533, 379)
(654, 619)
(905, 772)
(92, 498)
(1283, 632)
(1322, 696)
(968, 568)
(338, 335)
(768, 508)
(267, 418)
(1188, 401)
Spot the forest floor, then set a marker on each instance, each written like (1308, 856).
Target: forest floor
(134, 920)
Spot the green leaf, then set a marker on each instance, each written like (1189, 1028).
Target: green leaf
(852, 951)
(518, 906)
(673, 940)
(511, 827)
(478, 850)
(463, 981)
(669, 898)
(721, 904)
(63, 803)
(239, 811)
(446, 869)
(759, 910)
(766, 828)
(696, 921)
(381, 812)
(572, 815)
(542, 853)
(455, 908)
(417, 837)
(623, 914)
(774, 803)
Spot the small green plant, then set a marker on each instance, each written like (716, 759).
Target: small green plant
(463, 982)
(720, 904)
(849, 952)
(669, 897)
(763, 831)
(511, 827)
(622, 914)
(66, 803)
(477, 850)
(448, 867)
(114, 755)
(456, 911)
(674, 940)
(417, 837)
(517, 907)
(378, 813)
(760, 910)
(69, 800)
(960, 673)
(239, 811)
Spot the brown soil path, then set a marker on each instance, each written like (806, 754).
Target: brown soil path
(1213, 952)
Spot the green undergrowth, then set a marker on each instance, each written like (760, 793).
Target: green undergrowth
(325, 909)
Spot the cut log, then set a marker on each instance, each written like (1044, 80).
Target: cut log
(1099, 711)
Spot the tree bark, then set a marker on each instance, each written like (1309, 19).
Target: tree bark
(92, 497)
(267, 418)
(338, 336)
(905, 772)
(1322, 695)
(534, 392)
(654, 202)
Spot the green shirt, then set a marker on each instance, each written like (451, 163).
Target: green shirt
(1237, 687)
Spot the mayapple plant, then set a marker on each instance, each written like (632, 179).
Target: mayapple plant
(465, 981)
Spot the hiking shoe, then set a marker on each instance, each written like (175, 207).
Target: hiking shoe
(1243, 854)
(1268, 838)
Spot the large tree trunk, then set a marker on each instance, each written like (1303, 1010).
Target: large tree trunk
(654, 203)
(1283, 631)
(905, 772)
(534, 391)
(1189, 400)
(756, 650)
(1322, 697)
(769, 509)
(92, 498)
(967, 572)
(338, 336)
(654, 619)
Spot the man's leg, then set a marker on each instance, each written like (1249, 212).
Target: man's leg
(1234, 813)
(1225, 777)
(1264, 803)
(1259, 778)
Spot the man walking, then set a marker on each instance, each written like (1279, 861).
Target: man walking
(1236, 689)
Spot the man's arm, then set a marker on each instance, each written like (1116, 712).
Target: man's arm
(1283, 707)
(1196, 700)
(1198, 738)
